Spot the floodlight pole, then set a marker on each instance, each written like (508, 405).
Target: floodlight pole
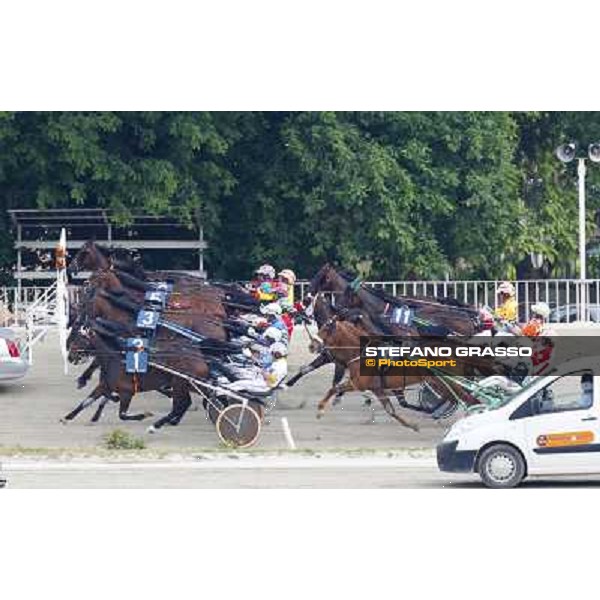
(582, 256)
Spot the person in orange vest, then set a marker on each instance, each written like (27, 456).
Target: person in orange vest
(538, 323)
(537, 327)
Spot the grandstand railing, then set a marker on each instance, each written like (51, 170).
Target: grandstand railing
(569, 299)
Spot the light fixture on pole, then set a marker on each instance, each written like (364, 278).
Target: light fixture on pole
(566, 153)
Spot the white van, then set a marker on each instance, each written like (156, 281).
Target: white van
(549, 427)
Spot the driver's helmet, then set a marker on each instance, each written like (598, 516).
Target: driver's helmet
(542, 309)
(273, 334)
(506, 287)
(272, 309)
(266, 271)
(279, 348)
(288, 276)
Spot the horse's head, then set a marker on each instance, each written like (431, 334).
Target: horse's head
(326, 280)
(327, 328)
(80, 344)
(91, 257)
(127, 260)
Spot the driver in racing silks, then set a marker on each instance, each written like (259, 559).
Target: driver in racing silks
(263, 286)
(261, 380)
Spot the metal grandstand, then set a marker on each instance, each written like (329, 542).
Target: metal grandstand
(37, 231)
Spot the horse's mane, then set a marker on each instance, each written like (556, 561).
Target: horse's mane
(346, 274)
(383, 295)
(451, 303)
(102, 249)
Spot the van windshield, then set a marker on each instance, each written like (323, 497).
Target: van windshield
(509, 395)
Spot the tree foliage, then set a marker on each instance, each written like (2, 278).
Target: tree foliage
(393, 194)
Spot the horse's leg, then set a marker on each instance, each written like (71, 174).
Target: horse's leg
(389, 408)
(318, 362)
(85, 377)
(124, 403)
(368, 403)
(181, 402)
(107, 398)
(338, 374)
(98, 392)
(341, 388)
(300, 374)
(184, 407)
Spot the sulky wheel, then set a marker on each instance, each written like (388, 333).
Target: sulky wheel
(238, 425)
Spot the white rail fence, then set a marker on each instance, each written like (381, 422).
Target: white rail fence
(569, 299)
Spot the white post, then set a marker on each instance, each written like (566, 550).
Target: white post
(62, 297)
(582, 256)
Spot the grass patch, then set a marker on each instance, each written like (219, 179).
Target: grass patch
(118, 439)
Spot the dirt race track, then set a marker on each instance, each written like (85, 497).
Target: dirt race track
(344, 449)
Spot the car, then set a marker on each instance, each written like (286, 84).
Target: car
(570, 314)
(551, 427)
(13, 365)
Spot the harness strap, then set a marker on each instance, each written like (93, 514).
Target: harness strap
(355, 284)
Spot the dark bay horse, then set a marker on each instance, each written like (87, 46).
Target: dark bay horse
(115, 382)
(444, 317)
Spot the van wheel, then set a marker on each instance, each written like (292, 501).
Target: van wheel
(501, 466)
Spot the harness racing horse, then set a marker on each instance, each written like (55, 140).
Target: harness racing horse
(114, 380)
(93, 257)
(114, 297)
(431, 316)
(342, 339)
(105, 297)
(322, 312)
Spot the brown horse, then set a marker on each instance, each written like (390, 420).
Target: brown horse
(202, 313)
(342, 340)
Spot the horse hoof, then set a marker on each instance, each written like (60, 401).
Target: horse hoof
(63, 421)
(151, 429)
(320, 414)
(90, 423)
(148, 414)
